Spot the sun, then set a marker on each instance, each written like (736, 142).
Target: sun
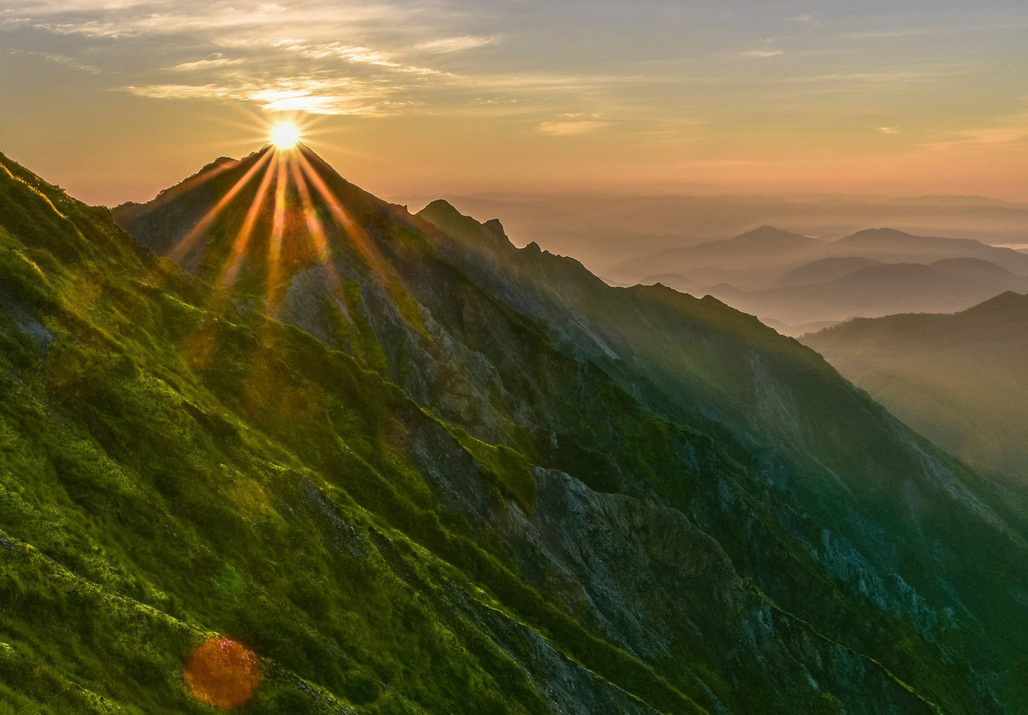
(285, 135)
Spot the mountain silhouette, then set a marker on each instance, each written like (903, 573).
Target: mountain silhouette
(878, 290)
(761, 248)
(414, 468)
(769, 258)
(823, 270)
(956, 378)
(890, 246)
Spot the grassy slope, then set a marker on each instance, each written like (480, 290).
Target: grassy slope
(168, 473)
(234, 475)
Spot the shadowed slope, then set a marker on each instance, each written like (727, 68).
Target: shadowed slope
(956, 378)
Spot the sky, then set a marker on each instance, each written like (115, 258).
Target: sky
(115, 100)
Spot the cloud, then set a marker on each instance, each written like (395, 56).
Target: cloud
(448, 45)
(315, 95)
(985, 137)
(211, 62)
(889, 130)
(900, 33)
(356, 54)
(59, 60)
(888, 77)
(321, 56)
(763, 53)
(570, 127)
(249, 19)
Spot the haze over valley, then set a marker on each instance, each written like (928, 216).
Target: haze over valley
(795, 282)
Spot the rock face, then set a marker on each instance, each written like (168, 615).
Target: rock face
(415, 469)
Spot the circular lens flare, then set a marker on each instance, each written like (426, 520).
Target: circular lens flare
(285, 135)
(223, 673)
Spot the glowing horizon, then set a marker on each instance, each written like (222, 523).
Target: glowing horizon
(907, 98)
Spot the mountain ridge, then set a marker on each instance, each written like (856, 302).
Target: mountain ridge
(760, 267)
(486, 440)
(955, 376)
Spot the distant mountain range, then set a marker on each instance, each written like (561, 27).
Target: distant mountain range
(748, 256)
(793, 282)
(417, 469)
(877, 290)
(603, 230)
(959, 379)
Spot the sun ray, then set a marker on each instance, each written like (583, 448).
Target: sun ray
(230, 271)
(310, 215)
(373, 258)
(316, 229)
(185, 244)
(351, 227)
(369, 252)
(199, 346)
(204, 176)
(278, 225)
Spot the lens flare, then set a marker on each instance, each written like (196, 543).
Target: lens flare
(223, 673)
(285, 135)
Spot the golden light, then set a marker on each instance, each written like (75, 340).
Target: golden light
(285, 135)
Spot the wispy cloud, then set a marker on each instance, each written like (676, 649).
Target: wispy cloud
(210, 62)
(307, 94)
(900, 33)
(763, 53)
(59, 59)
(1014, 133)
(319, 19)
(357, 57)
(884, 77)
(571, 125)
(448, 45)
(356, 54)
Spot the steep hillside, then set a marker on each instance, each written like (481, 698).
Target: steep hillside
(958, 379)
(446, 475)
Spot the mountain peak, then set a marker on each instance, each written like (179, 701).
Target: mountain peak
(766, 233)
(440, 207)
(877, 233)
(1003, 304)
(444, 216)
(261, 220)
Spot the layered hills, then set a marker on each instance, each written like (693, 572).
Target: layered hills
(417, 469)
(603, 229)
(792, 282)
(957, 378)
(878, 290)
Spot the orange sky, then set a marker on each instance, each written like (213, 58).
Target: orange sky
(116, 100)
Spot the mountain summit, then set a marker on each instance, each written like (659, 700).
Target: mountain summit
(414, 469)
